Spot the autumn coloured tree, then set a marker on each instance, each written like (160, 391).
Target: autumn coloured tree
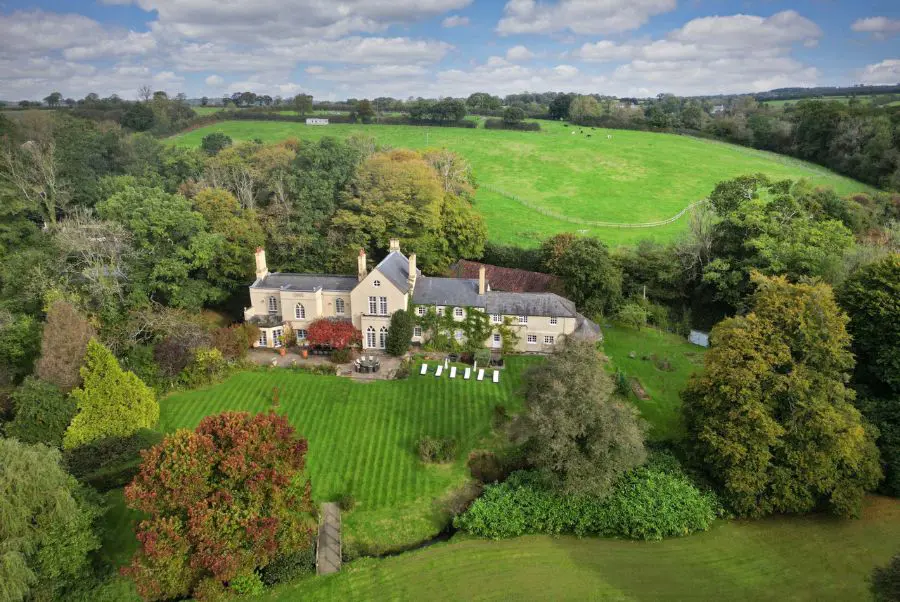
(771, 415)
(221, 502)
(334, 333)
(63, 346)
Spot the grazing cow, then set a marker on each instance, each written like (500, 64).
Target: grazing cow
(609, 137)
(588, 135)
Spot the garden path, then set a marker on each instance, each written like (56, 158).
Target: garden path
(328, 544)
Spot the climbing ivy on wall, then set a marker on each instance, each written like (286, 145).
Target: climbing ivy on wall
(439, 330)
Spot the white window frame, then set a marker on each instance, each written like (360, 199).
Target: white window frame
(339, 306)
(263, 339)
(420, 310)
(417, 331)
(273, 305)
(382, 337)
(549, 339)
(373, 306)
(458, 312)
(302, 334)
(382, 306)
(370, 337)
(299, 312)
(277, 337)
(440, 311)
(554, 321)
(496, 318)
(497, 337)
(522, 319)
(532, 339)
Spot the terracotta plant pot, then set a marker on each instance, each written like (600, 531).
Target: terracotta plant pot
(282, 352)
(304, 353)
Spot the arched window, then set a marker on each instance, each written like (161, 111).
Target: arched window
(339, 306)
(382, 338)
(300, 312)
(370, 337)
(273, 305)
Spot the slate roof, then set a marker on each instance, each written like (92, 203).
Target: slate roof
(306, 282)
(529, 304)
(454, 292)
(507, 279)
(395, 268)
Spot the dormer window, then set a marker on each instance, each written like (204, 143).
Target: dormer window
(376, 283)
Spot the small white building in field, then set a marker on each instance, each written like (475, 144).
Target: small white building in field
(698, 337)
(316, 121)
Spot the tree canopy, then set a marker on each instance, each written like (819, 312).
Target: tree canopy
(771, 414)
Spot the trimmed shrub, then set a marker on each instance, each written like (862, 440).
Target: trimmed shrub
(247, 585)
(433, 450)
(647, 503)
(346, 502)
(287, 567)
(399, 333)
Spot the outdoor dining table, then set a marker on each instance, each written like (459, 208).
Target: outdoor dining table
(368, 365)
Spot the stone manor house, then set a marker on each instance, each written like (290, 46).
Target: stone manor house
(277, 300)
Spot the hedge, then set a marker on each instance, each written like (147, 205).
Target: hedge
(523, 126)
(648, 503)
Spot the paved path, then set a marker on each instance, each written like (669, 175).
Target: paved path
(328, 545)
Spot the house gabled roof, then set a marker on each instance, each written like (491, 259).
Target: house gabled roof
(529, 304)
(508, 279)
(453, 292)
(395, 267)
(306, 282)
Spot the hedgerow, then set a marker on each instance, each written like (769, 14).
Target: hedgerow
(648, 503)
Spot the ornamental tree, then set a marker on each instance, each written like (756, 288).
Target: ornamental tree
(771, 415)
(46, 530)
(42, 413)
(333, 332)
(399, 333)
(63, 344)
(112, 402)
(576, 429)
(221, 502)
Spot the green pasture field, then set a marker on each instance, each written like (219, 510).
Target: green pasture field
(663, 409)
(866, 99)
(565, 178)
(362, 438)
(810, 558)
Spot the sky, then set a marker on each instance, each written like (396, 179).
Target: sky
(337, 49)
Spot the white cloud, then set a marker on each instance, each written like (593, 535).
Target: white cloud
(132, 43)
(738, 53)
(519, 53)
(885, 72)
(579, 16)
(314, 69)
(455, 21)
(214, 81)
(880, 27)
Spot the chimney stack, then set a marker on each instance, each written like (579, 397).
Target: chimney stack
(394, 245)
(412, 271)
(261, 269)
(361, 268)
(482, 284)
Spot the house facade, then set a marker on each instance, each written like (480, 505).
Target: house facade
(278, 300)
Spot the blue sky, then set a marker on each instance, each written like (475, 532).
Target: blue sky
(365, 48)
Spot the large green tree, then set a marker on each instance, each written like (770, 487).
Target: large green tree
(583, 107)
(221, 502)
(111, 402)
(46, 524)
(576, 429)
(42, 413)
(771, 415)
(590, 275)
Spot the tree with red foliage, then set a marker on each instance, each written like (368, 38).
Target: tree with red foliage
(334, 333)
(221, 502)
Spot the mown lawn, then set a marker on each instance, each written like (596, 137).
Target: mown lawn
(801, 558)
(663, 409)
(634, 177)
(362, 438)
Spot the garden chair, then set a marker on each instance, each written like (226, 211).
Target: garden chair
(496, 376)
(424, 369)
(453, 372)
(439, 371)
(481, 374)
(467, 374)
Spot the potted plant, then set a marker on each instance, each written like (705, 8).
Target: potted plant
(282, 351)
(304, 353)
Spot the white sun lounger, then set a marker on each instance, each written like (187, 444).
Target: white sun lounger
(439, 371)
(424, 369)
(467, 374)
(452, 371)
(496, 376)
(480, 374)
